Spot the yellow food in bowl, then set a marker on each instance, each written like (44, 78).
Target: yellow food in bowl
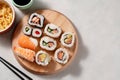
(6, 15)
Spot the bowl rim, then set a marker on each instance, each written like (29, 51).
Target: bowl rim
(13, 18)
(23, 6)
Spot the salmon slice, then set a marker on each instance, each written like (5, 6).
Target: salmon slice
(60, 55)
(50, 44)
(27, 42)
(25, 53)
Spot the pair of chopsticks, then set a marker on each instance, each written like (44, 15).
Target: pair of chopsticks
(15, 70)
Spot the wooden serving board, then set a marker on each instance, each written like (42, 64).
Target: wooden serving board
(66, 26)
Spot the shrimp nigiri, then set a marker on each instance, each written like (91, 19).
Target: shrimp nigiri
(25, 53)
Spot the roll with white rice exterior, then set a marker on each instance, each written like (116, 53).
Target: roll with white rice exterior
(61, 56)
(67, 39)
(42, 58)
(48, 43)
(52, 30)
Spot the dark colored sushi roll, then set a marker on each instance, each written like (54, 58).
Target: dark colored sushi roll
(27, 30)
(36, 20)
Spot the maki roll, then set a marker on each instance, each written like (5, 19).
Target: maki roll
(67, 39)
(42, 58)
(52, 30)
(48, 43)
(36, 32)
(27, 42)
(36, 20)
(61, 56)
(27, 30)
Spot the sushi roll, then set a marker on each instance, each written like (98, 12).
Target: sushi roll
(42, 58)
(67, 39)
(52, 30)
(27, 42)
(36, 32)
(25, 53)
(36, 20)
(61, 56)
(27, 30)
(48, 43)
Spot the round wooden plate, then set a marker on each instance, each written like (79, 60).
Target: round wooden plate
(66, 26)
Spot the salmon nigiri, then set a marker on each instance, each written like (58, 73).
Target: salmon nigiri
(25, 53)
(27, 42)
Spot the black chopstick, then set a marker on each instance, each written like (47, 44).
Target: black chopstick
(13, 70)
(4, 61)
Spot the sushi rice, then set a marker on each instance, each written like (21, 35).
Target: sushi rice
(61, 56)
(34, 41)
(42, 58)
(52, 30)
